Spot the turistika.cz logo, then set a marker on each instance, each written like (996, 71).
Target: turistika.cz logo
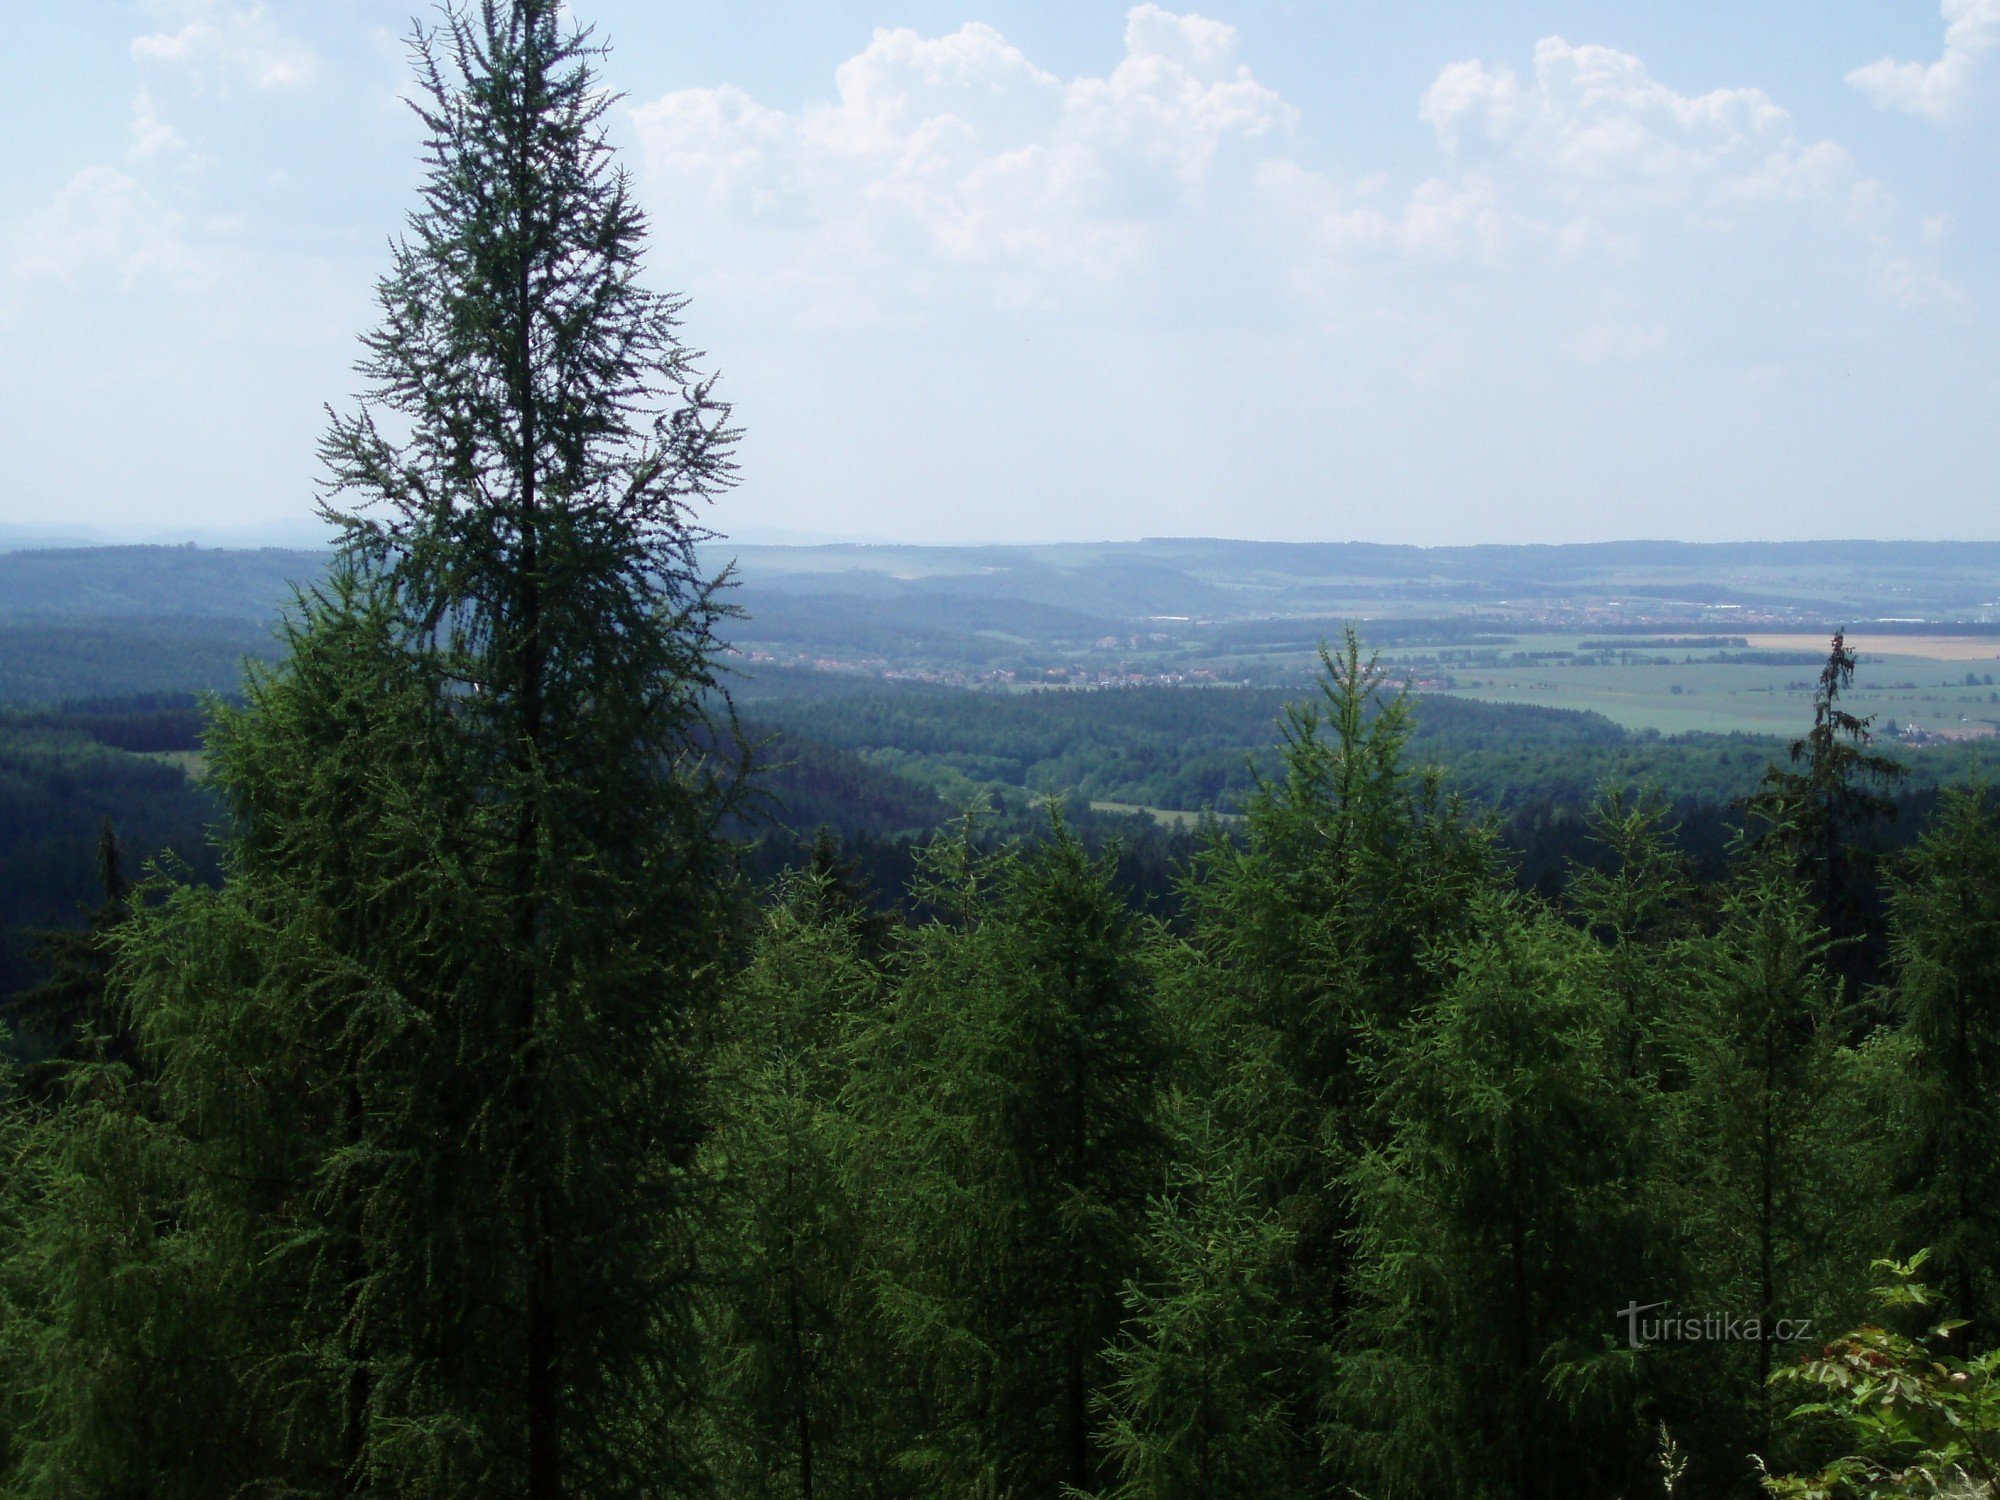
(1708, 1328)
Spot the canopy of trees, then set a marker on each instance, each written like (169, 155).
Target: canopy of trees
(474, 1132)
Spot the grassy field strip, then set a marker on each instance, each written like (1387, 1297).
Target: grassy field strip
(1166, 817)
(193, 763)
(1922, 647)
(1722, 697)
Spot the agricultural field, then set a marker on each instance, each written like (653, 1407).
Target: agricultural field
(1927, 686)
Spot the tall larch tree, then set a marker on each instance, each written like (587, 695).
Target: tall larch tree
(528, 501)
(1010, 1086)
(1818, 808)
(1774, 1161)
(802, 1393)
(1945, 938)
(425, 1068)
(1307, 956)
(1497, 1225)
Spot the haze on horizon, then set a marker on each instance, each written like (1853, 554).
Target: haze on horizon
(1280, 269)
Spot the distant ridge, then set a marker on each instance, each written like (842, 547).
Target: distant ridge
(1212, 578)
(144, 581)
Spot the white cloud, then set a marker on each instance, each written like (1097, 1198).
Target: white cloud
(956, 168)
(152, 136)
(1440, 220)
(1593, 126)
(1620, 343)
(102, 223)
(943, 158)
(1592, 154)
(1590, 157)
(1177, 97)
(218, 43)
(1916, 281)
(1934, 90)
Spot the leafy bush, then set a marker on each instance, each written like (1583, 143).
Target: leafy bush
(1924, 1423)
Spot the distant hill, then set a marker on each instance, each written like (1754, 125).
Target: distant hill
(1225, 579)
(94, 620)
(1078, 586)
(123, 582)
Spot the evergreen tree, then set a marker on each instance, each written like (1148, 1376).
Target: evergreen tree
(1499, 1229)
(1011, 1085)
(535, 531)
(119, 1325)
(841, 892)
(1306, 959)
(1775, 1155)
(69, 1015)
(1196, 1403)
(426, 1069)
(1654, 925)
(1945, 923)
(1642, 908)
(1817, 810)
(803, 1381)
(283, 1145)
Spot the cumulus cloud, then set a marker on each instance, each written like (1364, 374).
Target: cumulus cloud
(219, 44)
(1587, 158)
(152, 136)
(1934, 90)
(955, 167)
(1439, 220)
(1620, 343)
(956, 156)
(1593, 126)
(1570, 175)
(102, 223)
(1917, 282)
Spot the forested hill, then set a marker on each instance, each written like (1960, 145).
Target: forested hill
(1204, 576)
(1073, 588)
(114, 582)
(121, 620)
(1183, 749)
(90, 621)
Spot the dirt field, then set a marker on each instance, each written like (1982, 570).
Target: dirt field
(1925, 647)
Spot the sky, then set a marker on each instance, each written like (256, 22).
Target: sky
(986, 270)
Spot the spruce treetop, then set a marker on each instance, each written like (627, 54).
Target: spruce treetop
(526, 461)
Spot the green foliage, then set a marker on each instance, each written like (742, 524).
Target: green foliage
(1196, 1401)
(1779, 1186)
(422, 1080)
(1945, 937)
(1308, 954)
(796, 1392)
(1815, 812)
(465, 1138)
(121, 1325)
(1499, 1225)
(1338, 1181)
(1010, 1086)
(1922, 1422)
(1192, 748)
(1643, 906)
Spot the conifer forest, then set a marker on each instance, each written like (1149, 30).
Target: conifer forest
(481, 1115)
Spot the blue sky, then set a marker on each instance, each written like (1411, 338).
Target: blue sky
(1294, 269)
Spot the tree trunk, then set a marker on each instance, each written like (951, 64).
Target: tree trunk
(544, 1438)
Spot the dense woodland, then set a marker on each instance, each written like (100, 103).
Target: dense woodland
(482, 1123)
